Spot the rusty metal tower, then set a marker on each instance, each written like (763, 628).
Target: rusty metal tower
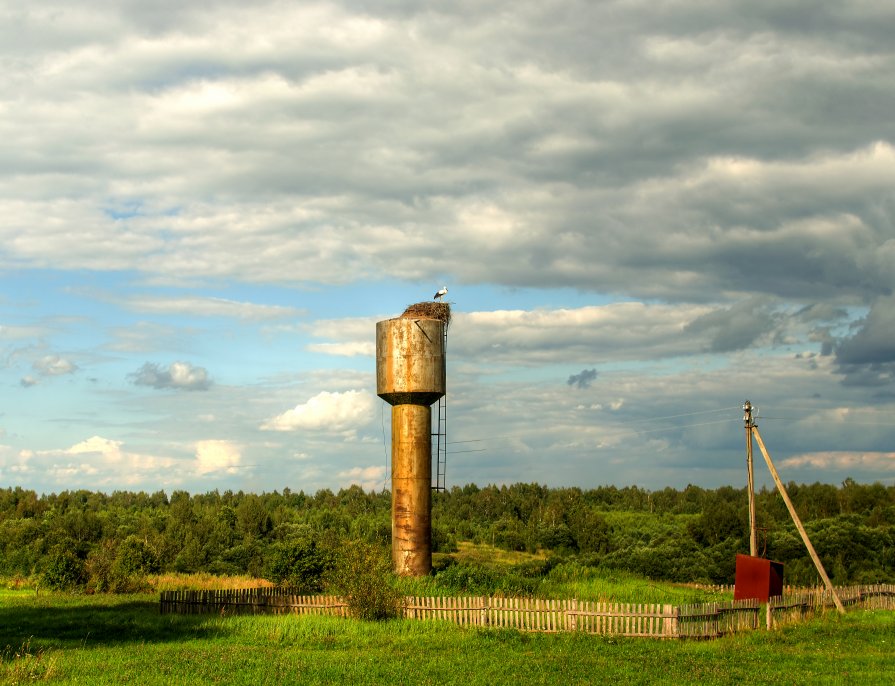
(410, 376)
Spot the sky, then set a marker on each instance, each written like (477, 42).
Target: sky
(645, 213)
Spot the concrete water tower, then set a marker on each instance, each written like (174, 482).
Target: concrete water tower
(410, 376)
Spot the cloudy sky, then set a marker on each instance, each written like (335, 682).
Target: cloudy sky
(645, 212)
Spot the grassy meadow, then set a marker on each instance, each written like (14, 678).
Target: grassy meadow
(102, 639)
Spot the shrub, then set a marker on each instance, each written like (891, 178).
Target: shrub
(134, 556)
(244, 558)
(99, 567)
(299, 563)
(191, 558)
(108, 571)
(467, 578)
(482, 580)
(65, 570)
(362, 575)
(442, 541)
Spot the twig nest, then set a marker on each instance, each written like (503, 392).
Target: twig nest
(429, 310)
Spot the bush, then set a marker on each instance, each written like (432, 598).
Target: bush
(108, 571)
(99, 567)
(467, 578)
(65, 570)
(245, 558)
(442, 542)
(362, 575)
(299, 564)
(135, 557)
(482, 580)
(191, 558)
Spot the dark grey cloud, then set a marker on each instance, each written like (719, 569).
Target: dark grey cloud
(583, 379)
(821, 312)
(867, 358)
(874, 341)
(178, 376)
(872, 375)
(736, 327)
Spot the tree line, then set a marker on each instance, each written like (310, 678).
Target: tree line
(110, 542)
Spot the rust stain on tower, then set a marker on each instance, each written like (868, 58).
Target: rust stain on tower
(410, 376)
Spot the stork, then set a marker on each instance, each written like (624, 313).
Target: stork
(440, 294)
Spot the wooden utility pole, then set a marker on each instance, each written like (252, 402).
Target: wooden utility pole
(753, 431)
(747, 419)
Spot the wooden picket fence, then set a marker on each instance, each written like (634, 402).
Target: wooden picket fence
(712, 620)
(548, 616)
(702, 621)
(730, 588)
(250, 601)
(802, 604)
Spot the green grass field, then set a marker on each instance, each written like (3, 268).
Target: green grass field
(65, 639)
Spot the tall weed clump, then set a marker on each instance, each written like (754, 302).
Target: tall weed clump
(27, 665)
(363, 577)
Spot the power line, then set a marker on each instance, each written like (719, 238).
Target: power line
(797, 419)
(680, 426)
(631, 433)
(683, 414)
(612, 435)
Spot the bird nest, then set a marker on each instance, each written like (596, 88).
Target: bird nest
(429, 310)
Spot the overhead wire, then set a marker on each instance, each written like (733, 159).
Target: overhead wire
(617, 434)
(622, 433)
(643, 431)
(683, 414)
(797, 419)
(811, 411)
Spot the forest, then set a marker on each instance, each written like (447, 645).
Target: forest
(110, 542)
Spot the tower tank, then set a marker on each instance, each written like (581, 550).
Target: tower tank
(410, 376)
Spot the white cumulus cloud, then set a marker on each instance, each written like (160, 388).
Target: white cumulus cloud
(53, 365)
(217, 456)
(332, 412)
(95, 463)
(843, 459)
(347, 349)
(369, 478)
(109, 449)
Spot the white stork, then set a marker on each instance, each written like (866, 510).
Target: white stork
(440, 294)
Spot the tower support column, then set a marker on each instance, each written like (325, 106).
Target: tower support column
(412, 489)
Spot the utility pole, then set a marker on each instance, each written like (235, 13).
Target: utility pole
(753, 431)
(747, 419)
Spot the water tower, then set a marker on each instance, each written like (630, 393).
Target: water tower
(410, 376)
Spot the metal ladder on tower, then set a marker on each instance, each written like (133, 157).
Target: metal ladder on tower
(439, 445)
